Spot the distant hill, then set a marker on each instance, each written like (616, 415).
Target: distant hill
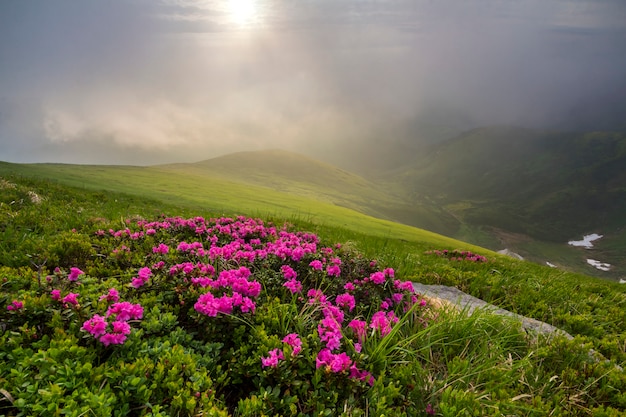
(297, 174)
(534, 185)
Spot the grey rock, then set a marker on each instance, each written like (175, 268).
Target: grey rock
(467, 302)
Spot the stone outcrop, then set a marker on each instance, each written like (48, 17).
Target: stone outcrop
(441, 294)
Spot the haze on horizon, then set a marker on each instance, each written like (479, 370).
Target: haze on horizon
(156, 81)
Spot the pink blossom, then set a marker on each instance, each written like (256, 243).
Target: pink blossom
(403, 285)
(112, 339)
(294, 286)
(358, 327)
(125, 311)
(111, 296)
(382, 321)
(55, 294)
(333, 270)
(95, 325)
(143, 277)
(121, 327)
(346, 301)
(294, 341)
(377, 278)
(333, 362)
(329, 332)
(162, 248)
(15, 305)
(316, 295)
(316, 265)
(247, 305)
(361, 375)
(71, 298)
(74, 273)
(349, 286)
(272, 360)
(397, 297)
(288, 272)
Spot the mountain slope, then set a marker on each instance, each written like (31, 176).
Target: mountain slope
(190, 191)
(297, 174)
(547, 186)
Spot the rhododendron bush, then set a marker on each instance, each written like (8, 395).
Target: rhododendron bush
(212, 317)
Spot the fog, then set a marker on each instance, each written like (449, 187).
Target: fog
(157, 81)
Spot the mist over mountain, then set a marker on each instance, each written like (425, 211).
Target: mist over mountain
(150, 82)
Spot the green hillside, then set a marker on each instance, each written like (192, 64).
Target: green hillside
(297, 174)
(131, 331)
(546, 187)
(194, 188)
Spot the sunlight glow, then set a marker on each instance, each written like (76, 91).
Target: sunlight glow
(243, 12)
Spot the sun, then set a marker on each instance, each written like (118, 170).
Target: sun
(243, 12)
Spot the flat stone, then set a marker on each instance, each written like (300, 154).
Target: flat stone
(470, 303)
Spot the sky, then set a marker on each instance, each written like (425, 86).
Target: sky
(156, 81)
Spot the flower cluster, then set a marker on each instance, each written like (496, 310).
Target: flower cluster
(15, 305)
(116, 331)
(458, 255)
(213, 263)
(276, 355)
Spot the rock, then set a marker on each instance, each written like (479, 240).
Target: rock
(458, 298)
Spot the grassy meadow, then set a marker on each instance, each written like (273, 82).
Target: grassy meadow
(136, 229)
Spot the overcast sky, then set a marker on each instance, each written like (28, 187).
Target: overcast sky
(152, 81)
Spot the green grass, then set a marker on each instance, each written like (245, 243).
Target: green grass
(217, 195)
(459, 364)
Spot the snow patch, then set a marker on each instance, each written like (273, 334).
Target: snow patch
(602, 266)
(622, 281)
(586, 242)
(550, 264)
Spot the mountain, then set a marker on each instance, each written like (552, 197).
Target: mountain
(300, 175)
(514, 185)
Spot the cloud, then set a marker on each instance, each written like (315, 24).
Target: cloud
(185, 79)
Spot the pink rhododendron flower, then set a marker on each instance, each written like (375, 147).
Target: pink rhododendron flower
(346, 301)
(288, 272)
(55, 294)
(294, 341)
(162, 248)
(121, 327)
(361, 375)
(329, 332)
(349, 286)
(294, 286)
(15, 305)
(403, 285)
(333, 362)
(125, 311)
(143, 276)
(397, 297)
(272, 360)
(333, 270)
(71, 298)
(377, 278)
(111, 296)
(316, 264)
(382, 321)
(74, 274)
(359, 329)
(96, 325)
(112, 339)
